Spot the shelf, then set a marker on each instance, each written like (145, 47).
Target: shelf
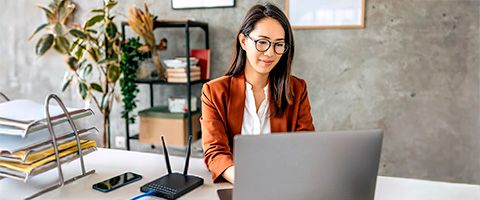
(160, 82)
(134, 137)
(175, 23)
(186, 24)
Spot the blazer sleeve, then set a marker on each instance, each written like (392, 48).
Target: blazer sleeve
(304, 120)
(217, 152)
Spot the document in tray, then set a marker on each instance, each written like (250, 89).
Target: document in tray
(24, 172)
(20, 150)
(47, 157)
(19, 117)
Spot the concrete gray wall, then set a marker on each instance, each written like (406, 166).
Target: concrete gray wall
(413, 71)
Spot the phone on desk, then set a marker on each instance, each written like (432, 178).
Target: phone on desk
(116, 182)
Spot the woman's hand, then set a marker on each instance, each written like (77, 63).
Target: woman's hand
(229, 174)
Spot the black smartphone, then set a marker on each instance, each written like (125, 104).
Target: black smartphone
(116, 182)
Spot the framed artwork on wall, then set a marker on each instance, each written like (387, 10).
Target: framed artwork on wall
(305, 14)
(189, 4)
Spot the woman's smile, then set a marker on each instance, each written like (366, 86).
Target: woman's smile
(266, 62)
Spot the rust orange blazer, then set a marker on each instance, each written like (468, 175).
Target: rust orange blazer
(223, 103)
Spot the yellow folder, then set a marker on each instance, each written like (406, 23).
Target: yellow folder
(47, 156)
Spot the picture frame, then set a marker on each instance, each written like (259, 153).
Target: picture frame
(307, 14)
(193, 4)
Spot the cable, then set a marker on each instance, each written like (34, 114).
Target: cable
(143, 195)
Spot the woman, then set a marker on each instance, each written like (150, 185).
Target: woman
(257, 95)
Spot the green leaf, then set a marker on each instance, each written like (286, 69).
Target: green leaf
(104, 102)
(80, 65)
(93, 20)
(48, 11)
(45, 8)
(111, 4)
(97, 11)
(72, 63)
(44, 44)
(74, 45)
(111, 30)
(86, 70)
(79, 53)
(93, 54)
(82, 90)
(96, 87)
(78, 33)
(67, 79)
(113, 72)
(66, 84)
(92, 31)
(107, 60)
(58, 29)
(41, 27)
(61, 44)
(122, 82)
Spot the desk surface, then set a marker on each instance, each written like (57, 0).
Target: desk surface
(109, 163)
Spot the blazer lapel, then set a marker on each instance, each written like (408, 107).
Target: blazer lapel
(236, 104)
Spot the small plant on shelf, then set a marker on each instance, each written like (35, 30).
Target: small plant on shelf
(131, 56)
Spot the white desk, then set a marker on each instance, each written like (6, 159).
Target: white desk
(109, 163)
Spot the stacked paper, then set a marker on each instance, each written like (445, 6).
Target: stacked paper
(21, 117)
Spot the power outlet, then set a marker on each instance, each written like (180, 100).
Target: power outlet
(119, 141)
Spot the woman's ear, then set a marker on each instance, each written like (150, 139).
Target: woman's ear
(242, 40)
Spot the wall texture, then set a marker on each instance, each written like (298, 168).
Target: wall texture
(413, 71)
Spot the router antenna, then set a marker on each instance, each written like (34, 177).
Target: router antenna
(187, 159)
(165, 154)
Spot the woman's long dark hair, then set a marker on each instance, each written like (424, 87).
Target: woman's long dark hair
(281, 91)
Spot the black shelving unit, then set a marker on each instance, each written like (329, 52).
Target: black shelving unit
(186, 24)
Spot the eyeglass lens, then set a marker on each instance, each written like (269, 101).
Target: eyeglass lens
(263, 45)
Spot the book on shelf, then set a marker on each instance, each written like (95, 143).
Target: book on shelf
(20, 117)
(182, 74)
(203, 56)
(199, 60)
(183, 69)
(182, 79)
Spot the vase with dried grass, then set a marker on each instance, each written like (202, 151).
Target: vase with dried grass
(141, 23)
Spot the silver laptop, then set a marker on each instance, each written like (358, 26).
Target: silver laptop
(340, 165)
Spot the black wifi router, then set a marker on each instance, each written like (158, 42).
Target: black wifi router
(173, 185)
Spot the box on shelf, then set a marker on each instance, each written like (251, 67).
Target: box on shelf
(158, 121)
(179, 104)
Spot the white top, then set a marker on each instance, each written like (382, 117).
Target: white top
(255, 123)
(110, 162)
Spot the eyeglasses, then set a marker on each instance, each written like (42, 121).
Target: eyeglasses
(263, 45)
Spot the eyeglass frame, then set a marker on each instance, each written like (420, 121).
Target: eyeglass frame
(269, 45)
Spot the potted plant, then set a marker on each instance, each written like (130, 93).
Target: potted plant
(93, 58)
